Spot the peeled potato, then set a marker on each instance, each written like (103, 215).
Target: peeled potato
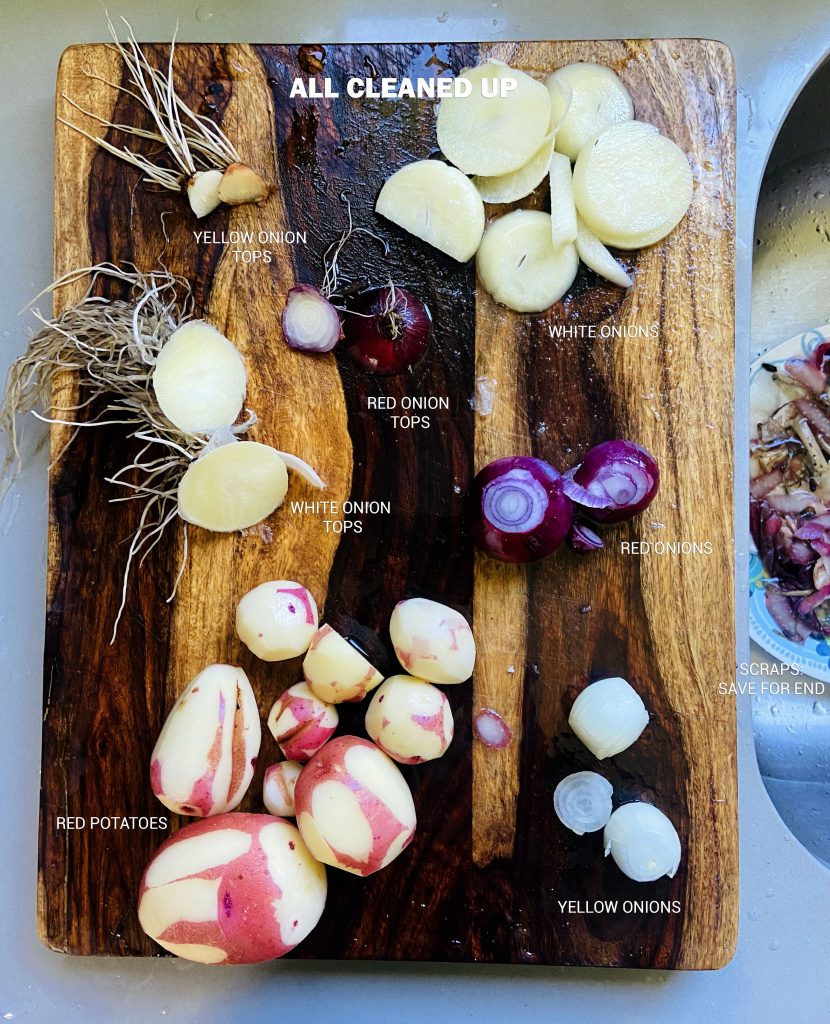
(597, 99)
(507, 188)
(233, 487)
(494, 134)
(519, 266)
(632, 185)
(436, 203)
(594, 255)
(199, 379)
(562, 209)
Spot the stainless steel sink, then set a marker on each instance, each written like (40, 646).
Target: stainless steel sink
(791, 294)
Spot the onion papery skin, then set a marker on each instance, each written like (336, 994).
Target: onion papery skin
(622, 472)
(517, 510)
(583, 539)
(309, 321)
(387, 330)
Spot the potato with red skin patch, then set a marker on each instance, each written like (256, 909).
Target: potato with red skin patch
(432, 641)
(278, 788)
(354, 808)
(204, 758)
(232, 889)
(336, 671)
(410, 720)
(301, 723)
(277, 620)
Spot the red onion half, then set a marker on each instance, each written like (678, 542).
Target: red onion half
(387, 330)
(309, 321)
(620, 476)
(518, 511)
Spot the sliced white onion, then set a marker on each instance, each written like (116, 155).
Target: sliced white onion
(582, 802)
(199, 379)
(233, 487)
(299, 466)
(608, 716)
(643, 842)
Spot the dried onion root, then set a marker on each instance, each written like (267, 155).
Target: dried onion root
(114, 348)
(207, 164)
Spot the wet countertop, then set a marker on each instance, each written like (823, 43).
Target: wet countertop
(776, 973)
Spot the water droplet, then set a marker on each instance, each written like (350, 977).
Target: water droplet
(443, 16)
(775, 711)
(775, 944)
(754, 914)
(203, 14)
(769, 893)
(820, 709)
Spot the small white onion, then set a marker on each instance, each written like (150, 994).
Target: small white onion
(582, 802)
(608, 716)
(643, 842)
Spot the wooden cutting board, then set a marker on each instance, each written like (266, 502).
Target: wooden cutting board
(491, 873)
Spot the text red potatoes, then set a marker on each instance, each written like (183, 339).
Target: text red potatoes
(354, 809)
(204, 758)
(234, 889)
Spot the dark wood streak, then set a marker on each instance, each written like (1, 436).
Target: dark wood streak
(422, 472)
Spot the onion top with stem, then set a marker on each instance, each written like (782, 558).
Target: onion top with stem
(311, 317)
(387, 330)
(113, 346)
(196, 145)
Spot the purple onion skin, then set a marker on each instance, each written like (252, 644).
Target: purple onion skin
(627, 458)
(383, 336)
(540, 540)
(294, 337)
(583, 539)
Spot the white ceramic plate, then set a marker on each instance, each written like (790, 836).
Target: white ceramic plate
(813, 656)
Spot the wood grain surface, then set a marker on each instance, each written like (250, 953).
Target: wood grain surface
(490, 864)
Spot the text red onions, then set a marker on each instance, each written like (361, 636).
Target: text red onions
(387, 330)
(309, 321)
(518, 511)
(622, 475)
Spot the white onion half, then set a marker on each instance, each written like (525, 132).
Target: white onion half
(582, 802)
(199, 379)
(608, 716)
(643, 842)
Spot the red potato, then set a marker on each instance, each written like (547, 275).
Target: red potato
(277, 620)
(354, 808)
(278, 788)
(234, 889)
(301, 723)
(205, 756)
(410, 720)
(432, 641)
(336, 671)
